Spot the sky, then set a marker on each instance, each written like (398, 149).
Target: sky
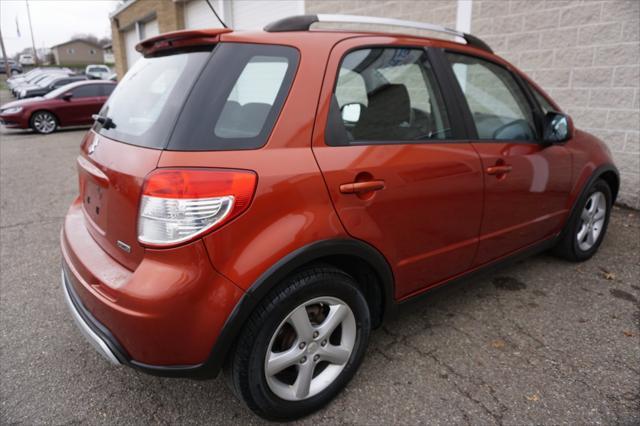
(54, 21)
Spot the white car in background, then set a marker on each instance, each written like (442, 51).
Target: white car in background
(26, 59)
(97, 72)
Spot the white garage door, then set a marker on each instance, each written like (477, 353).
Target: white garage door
(255, 14)
(130, 41)
(198, 15)
(150, 29)
(131, 38)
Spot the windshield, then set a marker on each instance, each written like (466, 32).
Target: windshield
(47, 81)
(98, 69)
(39, 79)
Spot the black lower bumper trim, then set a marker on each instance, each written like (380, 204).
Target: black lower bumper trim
(186, 371)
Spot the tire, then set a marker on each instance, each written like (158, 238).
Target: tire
(320, 294)
(43, 122)
(587, 226)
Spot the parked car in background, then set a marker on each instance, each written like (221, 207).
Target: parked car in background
(292, 188)
(97, 72)
(69, 105)
(48, 84)
(31, 81)
(16, 79)
(34, 77)
(26, 59)
(14, 67)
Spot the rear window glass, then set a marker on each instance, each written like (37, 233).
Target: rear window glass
(200, 101)
(143, 107)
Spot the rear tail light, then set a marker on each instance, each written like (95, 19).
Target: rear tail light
(178, 205)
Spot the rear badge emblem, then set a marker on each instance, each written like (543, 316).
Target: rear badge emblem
(124, 246)
(93, 146)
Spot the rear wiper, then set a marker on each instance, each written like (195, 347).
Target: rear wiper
(106, 122)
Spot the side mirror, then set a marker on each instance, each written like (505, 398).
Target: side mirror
(557, 127)
(351, 112)
(67, 96)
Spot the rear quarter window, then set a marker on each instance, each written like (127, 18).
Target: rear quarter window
(237, 99)
(251, 98)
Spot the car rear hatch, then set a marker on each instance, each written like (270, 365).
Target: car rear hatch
(131, 131)
(188, 93)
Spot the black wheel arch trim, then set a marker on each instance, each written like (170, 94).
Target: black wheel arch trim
(595, 175)
(279, 271)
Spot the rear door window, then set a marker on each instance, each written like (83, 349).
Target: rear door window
(88, 91)
(387, 95)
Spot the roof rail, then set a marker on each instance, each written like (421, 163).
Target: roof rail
(304, 22)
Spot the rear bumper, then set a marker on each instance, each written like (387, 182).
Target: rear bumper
(163, 318)
(88, 326)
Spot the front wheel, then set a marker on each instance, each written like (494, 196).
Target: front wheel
(585, 230)
(302, 345)
(44, 122)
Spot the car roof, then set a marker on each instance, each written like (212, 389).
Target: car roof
(88, 82)
(302, 40)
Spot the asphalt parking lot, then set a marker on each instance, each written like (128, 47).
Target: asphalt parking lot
(543, 341)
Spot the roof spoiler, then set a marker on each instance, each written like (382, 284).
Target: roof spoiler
(304, 22)
(179, 39)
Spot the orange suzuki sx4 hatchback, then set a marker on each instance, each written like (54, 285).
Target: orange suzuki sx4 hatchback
(257, 202)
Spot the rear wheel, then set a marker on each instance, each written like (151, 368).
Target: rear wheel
(301, 346)
(586, 228)
(44, 122)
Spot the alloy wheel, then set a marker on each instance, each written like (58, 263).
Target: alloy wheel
(44, 122)
(310, 348)
(592, 221)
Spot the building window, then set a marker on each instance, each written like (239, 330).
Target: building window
(92, 51)
(71, 50)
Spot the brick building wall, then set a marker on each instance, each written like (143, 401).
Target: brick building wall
(585, 53)
(441, 12)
